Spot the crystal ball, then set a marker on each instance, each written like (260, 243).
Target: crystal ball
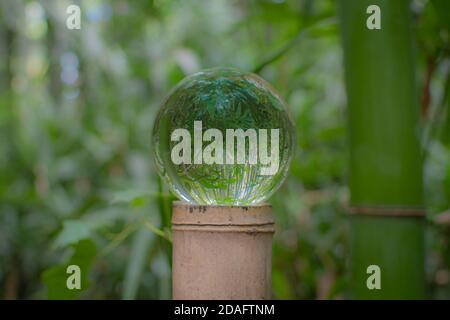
(223, 137)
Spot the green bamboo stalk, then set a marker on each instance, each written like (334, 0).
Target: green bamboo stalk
(385, 155)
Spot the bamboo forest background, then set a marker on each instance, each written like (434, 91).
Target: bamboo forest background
(77, 181)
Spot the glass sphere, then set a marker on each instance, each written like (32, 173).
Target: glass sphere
(223, 137)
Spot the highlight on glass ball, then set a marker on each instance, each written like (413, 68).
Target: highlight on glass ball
(223, 137)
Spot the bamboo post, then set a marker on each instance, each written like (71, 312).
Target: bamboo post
(387, 227)
(222, 252)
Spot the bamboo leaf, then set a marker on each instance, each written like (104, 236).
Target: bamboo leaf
(56, 277)
(136, 263)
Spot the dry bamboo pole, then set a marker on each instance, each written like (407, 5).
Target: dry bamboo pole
(222, 252)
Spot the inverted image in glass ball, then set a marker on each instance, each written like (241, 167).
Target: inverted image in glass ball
(223, 137)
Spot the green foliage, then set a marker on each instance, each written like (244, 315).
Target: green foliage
(55, 278)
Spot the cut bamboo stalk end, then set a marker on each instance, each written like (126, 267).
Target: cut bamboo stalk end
(222, 252)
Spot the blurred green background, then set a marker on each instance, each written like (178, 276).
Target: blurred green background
(77, 180)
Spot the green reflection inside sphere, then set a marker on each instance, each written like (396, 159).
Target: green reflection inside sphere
(208, 160)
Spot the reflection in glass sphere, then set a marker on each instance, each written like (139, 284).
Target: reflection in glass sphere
(223, 137)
